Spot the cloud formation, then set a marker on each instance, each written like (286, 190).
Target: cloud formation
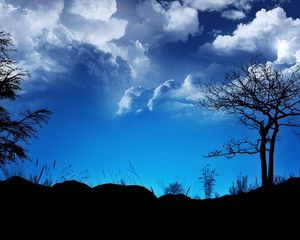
(34, 23)
(270, 31)
(96, 10)
(134, 100)
(115, 49)
(233, 14)
(163, 22)
(170, 96)
(217, 5)
(161, 92)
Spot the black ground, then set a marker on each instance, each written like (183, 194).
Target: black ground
(111, 206)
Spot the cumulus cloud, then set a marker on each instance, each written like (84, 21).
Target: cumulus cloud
(181, 20)
(35, 23)
(161, 92)
(90, 68)
(190, 90)
(91, 9)
(217, 5)
(134, 100)
(135, 53)
(163, 22)
(170, 96)
(92, 80)
(233, 14)
(270, 31)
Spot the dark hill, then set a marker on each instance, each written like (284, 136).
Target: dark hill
(115, 205)
(288, 191)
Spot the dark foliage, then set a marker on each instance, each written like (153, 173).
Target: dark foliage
(176, 188)
(242, 185)
(208, 180)
(14, 132)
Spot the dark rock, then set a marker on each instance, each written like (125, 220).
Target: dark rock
(71, 186)
(130, 194)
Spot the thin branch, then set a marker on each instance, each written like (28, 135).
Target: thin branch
(234, 147)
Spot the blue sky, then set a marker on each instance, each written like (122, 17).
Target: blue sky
(122, 78)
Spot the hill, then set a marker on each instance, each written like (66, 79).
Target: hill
(74, 202)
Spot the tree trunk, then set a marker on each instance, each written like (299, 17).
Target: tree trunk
(271, 155)
(263, 161)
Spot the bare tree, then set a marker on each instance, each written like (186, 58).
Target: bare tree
(264, 99)
(14, 132)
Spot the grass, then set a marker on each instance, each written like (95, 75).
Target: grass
(34, 171)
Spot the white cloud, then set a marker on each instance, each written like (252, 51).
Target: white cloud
(95, 32)
(190, 90)
(168, 22)
(169, 96)
(181, 20)
(233, 14)
(135, 53)
(94, 9)
(134, 100)
(26, 26)
(161, 92)
(270, 31)
(37, 24)
(217, 5)
(34, 24)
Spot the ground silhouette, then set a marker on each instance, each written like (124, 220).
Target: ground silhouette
(19, 194)
(116, 211)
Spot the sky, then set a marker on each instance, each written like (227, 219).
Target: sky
(122, 78)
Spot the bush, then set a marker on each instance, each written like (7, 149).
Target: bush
(241, 185)
(176, 188)
(208, 179)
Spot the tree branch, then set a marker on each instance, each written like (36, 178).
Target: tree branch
(234, 147)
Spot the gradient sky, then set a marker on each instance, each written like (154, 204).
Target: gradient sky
(122, 79)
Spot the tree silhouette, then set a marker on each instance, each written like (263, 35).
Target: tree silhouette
(264, 99)
(14, 133)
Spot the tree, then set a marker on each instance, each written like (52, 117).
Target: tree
(264, 99)
(14, 133)
(208, 179)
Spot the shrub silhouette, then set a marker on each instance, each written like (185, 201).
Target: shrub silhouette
(176, 188)
(241, 186)
(208, 180)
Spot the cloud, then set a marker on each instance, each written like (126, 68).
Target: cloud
(91, 21)
(134, 100)
(93, 9)
(27, 23)
(91, 82)
(169, 96)
(135, 53)
(233, 14)
(163, 22)
(181, 21)
(217, 5)
(161, 92)
(269, 32)
(190, 90)
(35, 23)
